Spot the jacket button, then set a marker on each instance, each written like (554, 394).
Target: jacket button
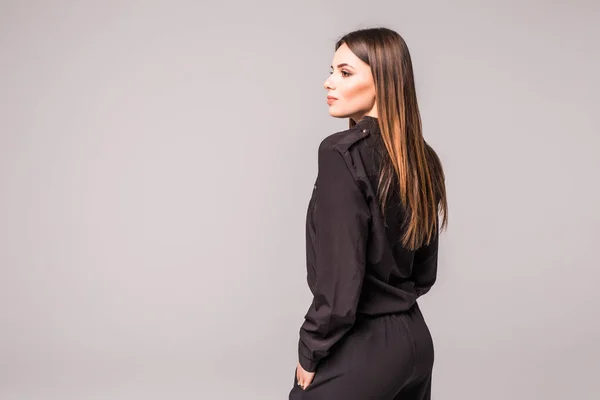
(364, 131)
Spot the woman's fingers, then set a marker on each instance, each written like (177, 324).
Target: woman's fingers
(299, 380)
(303, 378)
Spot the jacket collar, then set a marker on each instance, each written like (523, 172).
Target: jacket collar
(371, 124)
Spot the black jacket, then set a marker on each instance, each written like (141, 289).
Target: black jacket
(355, 263)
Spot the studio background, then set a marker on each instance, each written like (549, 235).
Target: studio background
(156, 162)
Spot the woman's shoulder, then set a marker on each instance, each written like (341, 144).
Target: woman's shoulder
(342, 141)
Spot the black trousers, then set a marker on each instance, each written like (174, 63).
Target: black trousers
(388, 357)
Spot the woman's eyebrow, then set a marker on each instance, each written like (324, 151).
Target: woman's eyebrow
(342, 65)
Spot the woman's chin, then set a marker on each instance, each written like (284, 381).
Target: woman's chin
(335, 113)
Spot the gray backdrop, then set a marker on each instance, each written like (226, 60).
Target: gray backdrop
(156, 162)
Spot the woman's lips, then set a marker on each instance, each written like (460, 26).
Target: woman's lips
(330, 99)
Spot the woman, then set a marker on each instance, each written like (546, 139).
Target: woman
(372, 232)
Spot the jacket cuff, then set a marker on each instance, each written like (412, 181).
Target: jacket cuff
(308, 364)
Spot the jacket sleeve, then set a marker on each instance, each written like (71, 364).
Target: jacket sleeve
(341, 218)
(425, 266)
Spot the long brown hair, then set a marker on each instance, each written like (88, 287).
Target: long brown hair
(412, 161)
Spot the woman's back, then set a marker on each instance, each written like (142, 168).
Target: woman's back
(395, 276)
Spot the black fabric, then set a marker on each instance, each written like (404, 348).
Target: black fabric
(356, 266)
(388, 357)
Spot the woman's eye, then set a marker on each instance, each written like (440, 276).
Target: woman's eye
(343, 72)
